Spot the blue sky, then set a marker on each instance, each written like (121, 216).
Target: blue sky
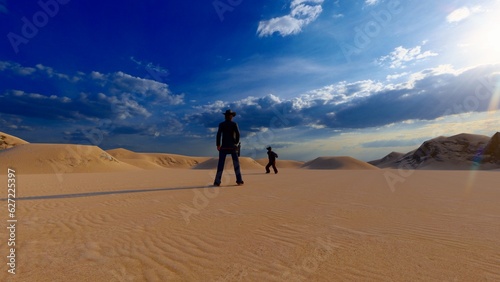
(310, 78)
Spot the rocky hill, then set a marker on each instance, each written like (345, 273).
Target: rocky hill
(462, 151)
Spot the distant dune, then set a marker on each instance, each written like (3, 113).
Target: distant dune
(60, 158)
(457, 152)
(245, 163)
(9, 141)
(337, 163)
(156, 160)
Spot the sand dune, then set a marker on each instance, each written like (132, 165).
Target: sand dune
(245, 163)
(462, 152)
(155, 160)
(60, 158)
(282, 163)
(9, 141)
(341, 162)
(133, 158)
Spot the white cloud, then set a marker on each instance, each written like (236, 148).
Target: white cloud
(371, 2)
(97, 75)
(16, 68)
(116, 83)
(337, 94)
(50, 72)
(121, 82)
(462, 13)
(302, 13)
(37, 96)
(39, 69)
(458, 15)
(401, 56)
(87, 96)
(286, 25)
(396, 76)
(25, 71)
(155, 72)
(298, 2)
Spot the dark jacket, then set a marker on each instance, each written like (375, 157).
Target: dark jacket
(272, 156)
(230, 134)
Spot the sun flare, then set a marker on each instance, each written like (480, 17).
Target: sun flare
(478, 41)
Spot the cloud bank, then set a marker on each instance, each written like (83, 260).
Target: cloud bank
(40, 99)
(425, 95)
(44, 97)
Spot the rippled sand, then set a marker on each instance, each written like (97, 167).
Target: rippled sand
(298, 225)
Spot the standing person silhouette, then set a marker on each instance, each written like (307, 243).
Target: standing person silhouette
(229, 133)
(272, 160)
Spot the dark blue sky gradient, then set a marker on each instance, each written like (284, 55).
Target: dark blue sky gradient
(146, 74)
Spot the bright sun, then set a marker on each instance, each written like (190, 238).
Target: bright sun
(479, 40)
(476, 41)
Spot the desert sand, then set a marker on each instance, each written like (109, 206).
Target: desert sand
(9, 141)
(116, 215)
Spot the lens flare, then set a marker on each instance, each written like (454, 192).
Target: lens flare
(495, 98)
(476, 163)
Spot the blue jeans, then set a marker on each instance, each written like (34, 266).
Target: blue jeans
(222, 160)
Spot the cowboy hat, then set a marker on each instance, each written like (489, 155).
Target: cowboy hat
(229, 113)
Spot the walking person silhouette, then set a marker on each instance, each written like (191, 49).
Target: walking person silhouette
(227, 139)
(272, 156)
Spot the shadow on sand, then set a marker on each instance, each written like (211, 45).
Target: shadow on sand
(103, 193)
